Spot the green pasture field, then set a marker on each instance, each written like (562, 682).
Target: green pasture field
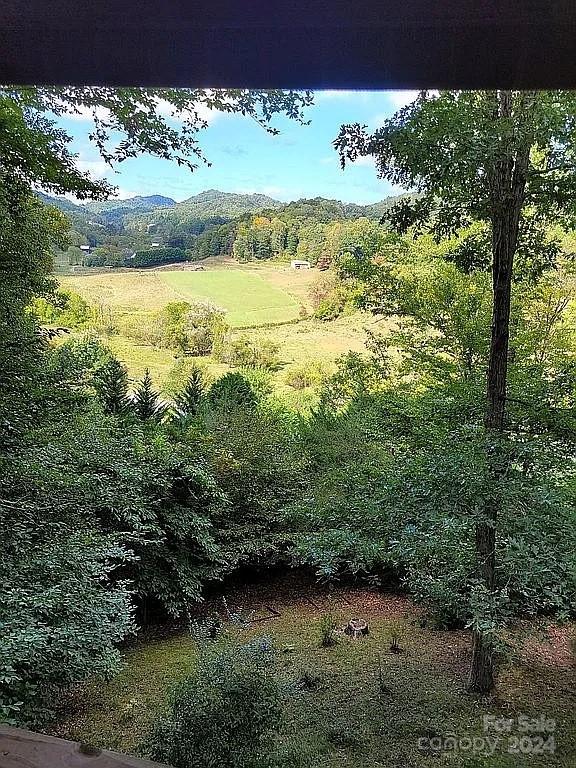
(263, 302)
(247, 296)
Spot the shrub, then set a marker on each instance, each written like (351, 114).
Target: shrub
(204, 323)
(328, 295)
(61, 616)
(74, 361)
(260, 380)
(245, 352)
(257, 459)
(224, 714)
(327, 627)
(186, 328)
(155, 256)
(172, 325)
(396, 633)
(309, 374)
(331, 307)
(66, 308)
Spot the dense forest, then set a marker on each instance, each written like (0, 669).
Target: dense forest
(120, 507)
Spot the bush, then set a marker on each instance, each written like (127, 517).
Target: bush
(204, 322)
(408, 512)
(156, 256)
(67, 309)
(309, 374)
(327, 627)
(245, 352)
(258, 461)
(224, 714)
(181, 326)
(328, 295)
(331, 307)
(74, 361)
(61, 616)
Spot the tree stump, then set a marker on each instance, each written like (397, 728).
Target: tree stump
(356, 628)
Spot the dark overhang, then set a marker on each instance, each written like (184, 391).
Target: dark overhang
(290, 43)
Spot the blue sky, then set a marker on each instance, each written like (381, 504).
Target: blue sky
(300, 162)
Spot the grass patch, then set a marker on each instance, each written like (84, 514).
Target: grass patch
(248, 298)
(340, 715)
(254, 295)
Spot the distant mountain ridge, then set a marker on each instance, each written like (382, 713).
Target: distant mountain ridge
(209, 204)
(138, 203)
(213, 202)
(62, 203)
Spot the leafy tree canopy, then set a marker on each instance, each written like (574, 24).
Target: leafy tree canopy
(126, 122)
(448, 146)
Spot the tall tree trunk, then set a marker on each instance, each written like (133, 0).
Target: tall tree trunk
(503, 246)
(508, 190)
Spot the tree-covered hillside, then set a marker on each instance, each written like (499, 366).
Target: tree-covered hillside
(213, 202)
(212, 223)
(138, 203)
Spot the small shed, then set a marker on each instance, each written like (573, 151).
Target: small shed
(299, 264)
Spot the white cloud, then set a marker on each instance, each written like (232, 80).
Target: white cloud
(123, 194)
(96, 168)
(85, 114)
(367, 161)
(202, 111)
(164, 108)
(329, 160)
(399, 99)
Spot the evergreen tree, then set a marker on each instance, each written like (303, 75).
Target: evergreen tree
(188, 400)
(232, 389)
(147, 403)
(111, 385)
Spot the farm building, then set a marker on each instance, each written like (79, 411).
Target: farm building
(299, 264)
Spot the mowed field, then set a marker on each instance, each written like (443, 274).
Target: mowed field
(262, 302)
(249, 298)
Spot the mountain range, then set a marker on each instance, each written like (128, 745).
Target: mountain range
(210, 203)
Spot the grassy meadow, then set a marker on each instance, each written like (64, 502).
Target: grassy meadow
(261, 302)
(251, 297)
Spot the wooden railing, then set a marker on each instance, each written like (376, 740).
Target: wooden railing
(27, 749)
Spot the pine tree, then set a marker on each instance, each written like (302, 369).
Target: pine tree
(147, 403)
(232, 389)
(188, 400)
(111, 385)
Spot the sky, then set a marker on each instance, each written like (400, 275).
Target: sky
(300, 162)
